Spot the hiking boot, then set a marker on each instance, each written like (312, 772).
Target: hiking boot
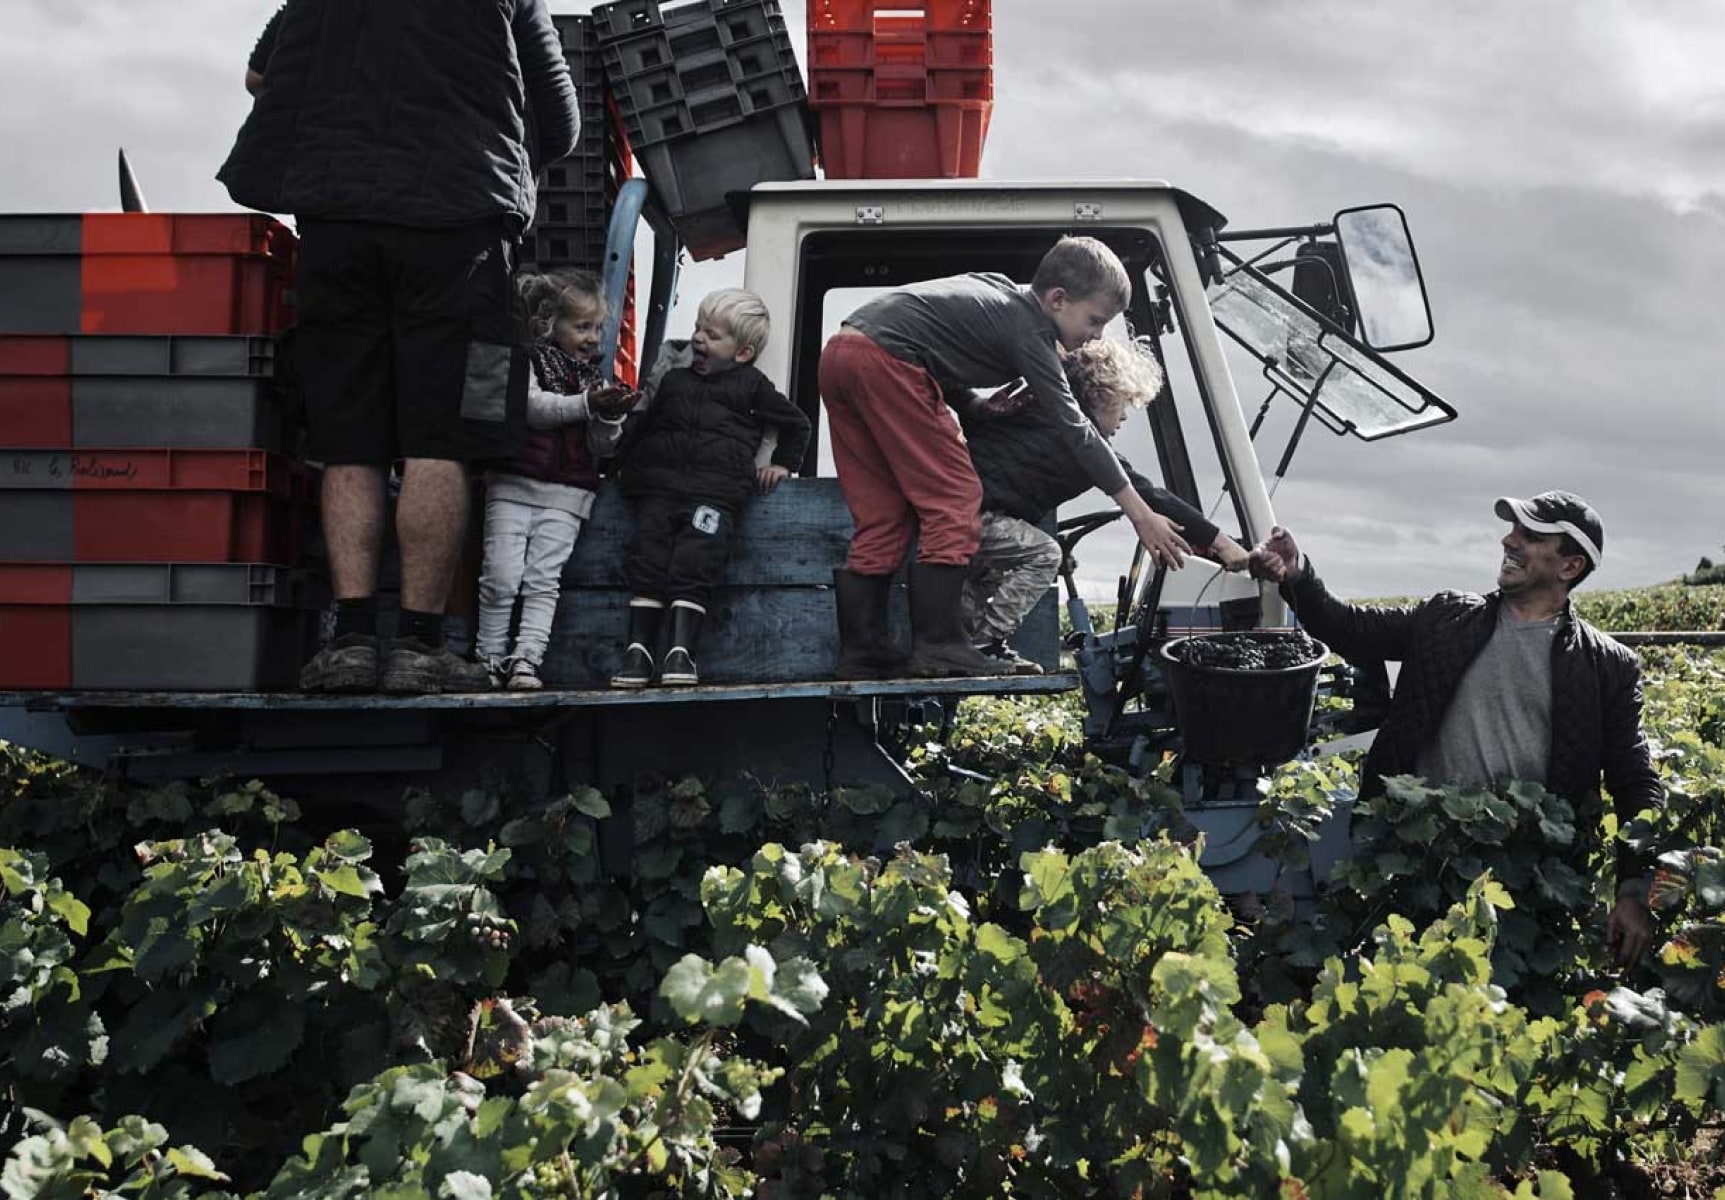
(679, 668)
(524, 676)
(347, 664)
(1010, 661)
(866, 650)
(939, 647)
(637, 669)
(416, 669)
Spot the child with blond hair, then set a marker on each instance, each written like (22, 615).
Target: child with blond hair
(901, 458)
(688, 468)
(1026, 473)
(537, 502)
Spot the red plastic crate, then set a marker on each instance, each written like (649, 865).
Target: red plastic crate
(154, 469)
(935, 14)
(937, 141)
(146, 273)
(901, 93)
(216, 527)
(35, 646)
(186, 273)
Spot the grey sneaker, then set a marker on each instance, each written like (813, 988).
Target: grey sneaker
(523, 676)
(414, 668)
(1011, 662)
(347, 664)
(496, 669)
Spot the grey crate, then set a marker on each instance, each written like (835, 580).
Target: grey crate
(40, 294)
(35, 526)
(190, 647)
(41, 233)
(694, 176)
(188, 583)
(190, 412)
(124, 354)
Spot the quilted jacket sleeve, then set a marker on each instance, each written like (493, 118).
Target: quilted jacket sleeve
(1627, 763)
(1351, 630)
(545, 74)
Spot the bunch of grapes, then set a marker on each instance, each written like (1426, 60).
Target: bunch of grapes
(1275, 651)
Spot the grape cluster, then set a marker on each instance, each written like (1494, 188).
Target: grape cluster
(488, 933)
(1250, 652)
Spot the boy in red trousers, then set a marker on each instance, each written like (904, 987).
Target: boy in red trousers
(902, 462)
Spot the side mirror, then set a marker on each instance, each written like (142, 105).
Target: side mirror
(1384, 272)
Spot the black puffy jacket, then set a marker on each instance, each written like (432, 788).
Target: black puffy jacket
(1595, 693)
(1026, 472)
(699, 435)
(405, 112)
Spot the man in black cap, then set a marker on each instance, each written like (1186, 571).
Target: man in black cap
(1511, 685)
(405, 137)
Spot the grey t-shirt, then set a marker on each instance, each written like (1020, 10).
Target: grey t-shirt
(1498, 725)
(980, 331)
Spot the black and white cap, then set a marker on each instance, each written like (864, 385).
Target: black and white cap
(1558, 512)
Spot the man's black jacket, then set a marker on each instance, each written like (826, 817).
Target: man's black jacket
(1595, 692)
(404, 112)
(1026, 472)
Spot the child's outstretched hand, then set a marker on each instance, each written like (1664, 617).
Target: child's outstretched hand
(769, 477)
(612, 400)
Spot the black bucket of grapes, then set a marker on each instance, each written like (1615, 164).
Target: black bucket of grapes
(1244, 698)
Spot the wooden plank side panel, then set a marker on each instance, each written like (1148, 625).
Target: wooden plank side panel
(792, 538)
(773, 618)
(752, 635)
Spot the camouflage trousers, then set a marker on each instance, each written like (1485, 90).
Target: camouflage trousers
(1011, 571)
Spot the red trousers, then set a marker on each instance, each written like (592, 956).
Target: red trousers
(901, 459)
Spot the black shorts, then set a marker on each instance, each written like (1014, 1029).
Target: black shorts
(403, 346)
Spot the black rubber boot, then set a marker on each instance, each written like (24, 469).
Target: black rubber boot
(679, 669)
(637, 669)
(939, 647)
(865, 647)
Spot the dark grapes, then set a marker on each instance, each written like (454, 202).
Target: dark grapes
(1261, 651)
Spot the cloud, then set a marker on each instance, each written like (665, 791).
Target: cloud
(1562, 166)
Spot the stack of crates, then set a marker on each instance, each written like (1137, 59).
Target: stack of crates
(713, 103)
(901, 91)
(578, 192)
(152, 512)
(575, 199)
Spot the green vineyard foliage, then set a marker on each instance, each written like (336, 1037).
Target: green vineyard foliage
(1016, 982)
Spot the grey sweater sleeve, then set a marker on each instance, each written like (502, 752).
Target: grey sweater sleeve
(1040, 365)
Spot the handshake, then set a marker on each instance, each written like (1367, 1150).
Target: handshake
(610, 401)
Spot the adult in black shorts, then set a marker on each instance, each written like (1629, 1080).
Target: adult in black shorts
(396, 131)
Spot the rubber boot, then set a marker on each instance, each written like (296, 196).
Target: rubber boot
(865, 647)
(679, 669)
(637, 669)
(939, 647)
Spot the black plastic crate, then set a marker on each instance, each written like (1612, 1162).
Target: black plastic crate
(693, 177)
(551, 246)
(698, 67)
(596, 147)
(712, 102)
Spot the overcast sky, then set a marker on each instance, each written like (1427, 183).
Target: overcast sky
(1561, 163)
